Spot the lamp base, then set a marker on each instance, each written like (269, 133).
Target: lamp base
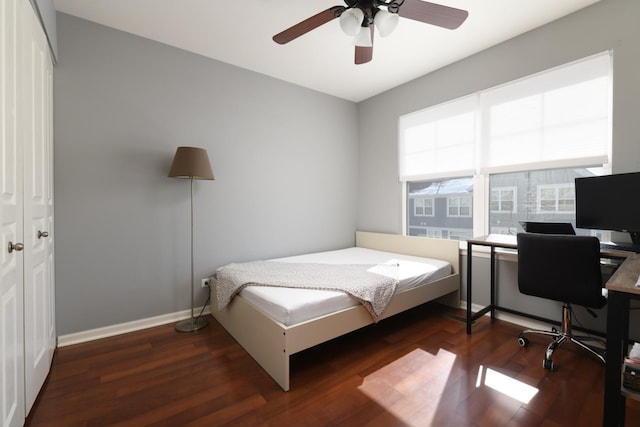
(192, 324)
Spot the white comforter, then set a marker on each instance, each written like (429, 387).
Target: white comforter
(371, 285)
(291, 306)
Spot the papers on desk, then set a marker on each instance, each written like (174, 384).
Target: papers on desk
(502, 238)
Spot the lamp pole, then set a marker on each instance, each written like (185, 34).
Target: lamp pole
(192, 163)
(192, 324)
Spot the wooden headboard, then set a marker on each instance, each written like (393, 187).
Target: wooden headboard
(446, 250)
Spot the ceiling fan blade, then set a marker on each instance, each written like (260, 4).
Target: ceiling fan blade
(308, 24)
(434, 14)
(364, 54)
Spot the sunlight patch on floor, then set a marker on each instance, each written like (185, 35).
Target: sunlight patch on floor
(505, 385)
(399, 387)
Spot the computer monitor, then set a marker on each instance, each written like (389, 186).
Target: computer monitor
(544, 227)
(609, 202)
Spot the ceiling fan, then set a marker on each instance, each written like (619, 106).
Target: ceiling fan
(359, 17)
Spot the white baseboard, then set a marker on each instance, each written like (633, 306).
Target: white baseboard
(123, 328)
(136, 325)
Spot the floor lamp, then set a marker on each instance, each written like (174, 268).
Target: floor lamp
(192, 163)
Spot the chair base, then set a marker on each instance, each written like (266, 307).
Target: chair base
(560, 337)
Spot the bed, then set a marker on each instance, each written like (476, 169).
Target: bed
(271, 338)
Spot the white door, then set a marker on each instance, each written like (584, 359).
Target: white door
(39, 331)
(12, 409)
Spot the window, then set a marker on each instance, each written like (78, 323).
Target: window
(557, 198)
(522, 144)
(542, 195)
(423, 207)
(459, 206)
(450, 203)
(503, 199)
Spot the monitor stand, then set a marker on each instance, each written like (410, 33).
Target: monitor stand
(633, 246)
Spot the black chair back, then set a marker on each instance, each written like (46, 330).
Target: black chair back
(561, 267)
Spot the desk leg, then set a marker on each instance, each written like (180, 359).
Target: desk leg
(617, 343)
(469, 259)
(493, 282)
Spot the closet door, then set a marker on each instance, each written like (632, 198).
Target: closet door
(12, 408)
(39, 331)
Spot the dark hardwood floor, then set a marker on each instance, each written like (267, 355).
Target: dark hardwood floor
(419, 369)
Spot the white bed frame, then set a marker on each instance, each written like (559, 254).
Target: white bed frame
(271, 343)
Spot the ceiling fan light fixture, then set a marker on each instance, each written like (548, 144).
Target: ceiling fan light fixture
(351, 21)
(358, 17)
(386, 22)
(363, 39)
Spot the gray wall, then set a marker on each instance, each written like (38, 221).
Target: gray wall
(289, 162)
(285, 160)
(609, 24)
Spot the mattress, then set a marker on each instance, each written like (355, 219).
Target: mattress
(292, 306)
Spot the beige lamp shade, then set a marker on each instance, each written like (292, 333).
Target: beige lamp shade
(191, 162)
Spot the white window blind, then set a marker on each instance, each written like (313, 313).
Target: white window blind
(438, 141)
(557, 118)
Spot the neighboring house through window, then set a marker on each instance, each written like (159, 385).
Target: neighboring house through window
(450, 212)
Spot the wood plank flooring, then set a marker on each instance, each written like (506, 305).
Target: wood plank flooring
(417, 369)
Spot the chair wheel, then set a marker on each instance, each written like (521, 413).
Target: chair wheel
(523, 341)
(547, 364)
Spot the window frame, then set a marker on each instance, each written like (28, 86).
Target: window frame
(424, 199)
(480, 174)
(459, 206)
(557, 188)
(514, 200)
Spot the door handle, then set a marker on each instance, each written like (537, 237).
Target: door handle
(42, 234)
(15, 247)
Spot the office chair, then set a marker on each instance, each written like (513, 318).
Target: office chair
(561, 268)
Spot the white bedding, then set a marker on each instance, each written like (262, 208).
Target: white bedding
(291, 306)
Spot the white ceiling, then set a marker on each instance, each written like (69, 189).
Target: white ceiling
(239, 32)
